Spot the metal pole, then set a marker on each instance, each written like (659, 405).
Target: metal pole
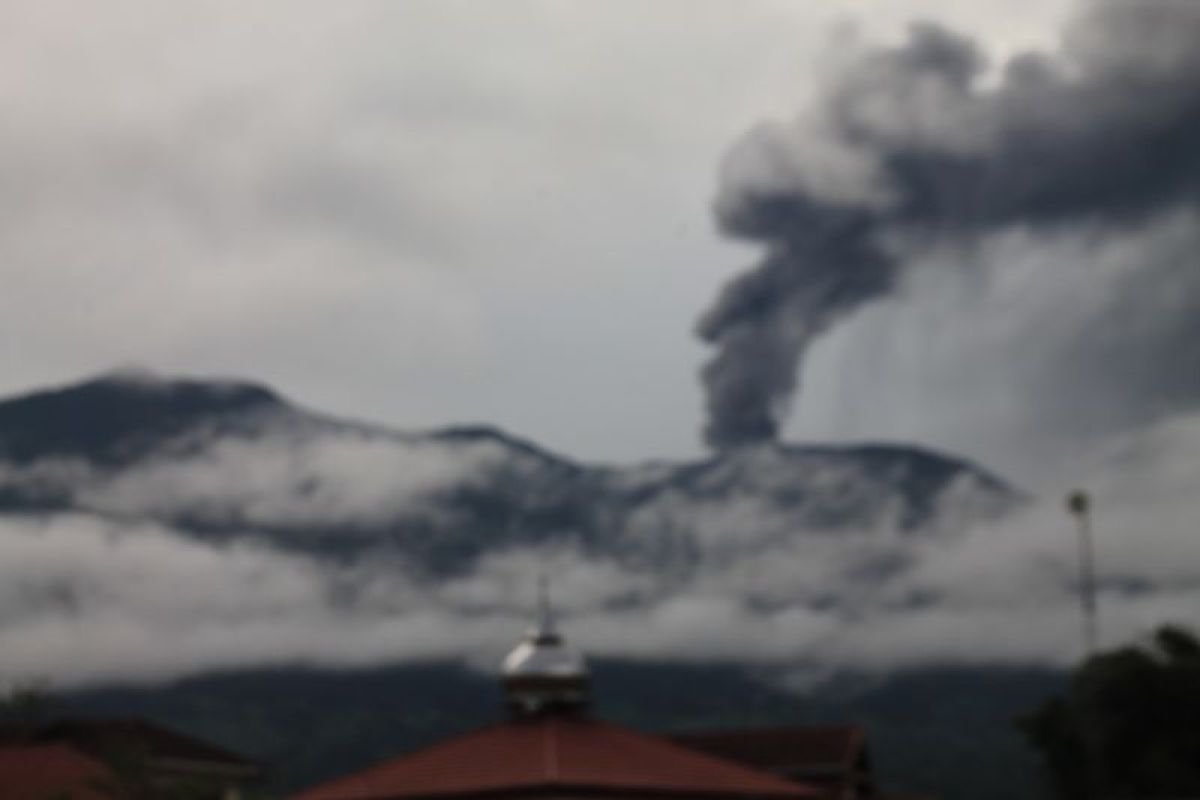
(1079, 504)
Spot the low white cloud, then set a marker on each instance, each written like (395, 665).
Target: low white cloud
(83, 600)
(290, 471)
(86, 601)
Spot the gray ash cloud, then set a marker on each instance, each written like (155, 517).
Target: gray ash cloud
(920, 143)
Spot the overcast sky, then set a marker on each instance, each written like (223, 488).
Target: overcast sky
(424, 213)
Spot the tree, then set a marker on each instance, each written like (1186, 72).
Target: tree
(1128, 724)
(26, 705)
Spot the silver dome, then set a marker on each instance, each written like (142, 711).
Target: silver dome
(542, 653)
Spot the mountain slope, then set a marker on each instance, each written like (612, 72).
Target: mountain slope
(945, 731)
(234, 460)
(118, 417)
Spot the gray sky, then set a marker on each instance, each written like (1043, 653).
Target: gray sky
(424, 213)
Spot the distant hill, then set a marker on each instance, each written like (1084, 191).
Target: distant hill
(944, 730)
(225, 459)
(117, 418)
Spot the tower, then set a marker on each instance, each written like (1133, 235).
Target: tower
(1079, 504)
(541, 675)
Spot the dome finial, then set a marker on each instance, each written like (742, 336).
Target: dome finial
(541, 674)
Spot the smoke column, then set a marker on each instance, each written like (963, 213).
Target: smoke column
(913, 144)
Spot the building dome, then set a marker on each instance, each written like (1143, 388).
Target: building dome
(542, 653)
(541, 674)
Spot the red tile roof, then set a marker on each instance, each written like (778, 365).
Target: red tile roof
(105, 735)
(778, 748)
(38, 772)
(562, 754)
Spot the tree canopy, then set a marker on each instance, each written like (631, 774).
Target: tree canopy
(1128, 725)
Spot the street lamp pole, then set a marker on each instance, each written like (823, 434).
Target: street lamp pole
(1079, 505)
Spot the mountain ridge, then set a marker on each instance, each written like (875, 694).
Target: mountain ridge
(169, 450)
(208, 396)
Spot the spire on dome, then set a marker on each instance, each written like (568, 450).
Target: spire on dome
(541, 674)
(545, 610)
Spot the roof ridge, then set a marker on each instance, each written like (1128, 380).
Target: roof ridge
(556, 752)
(808, 729)
(782, 785)
(551, 750)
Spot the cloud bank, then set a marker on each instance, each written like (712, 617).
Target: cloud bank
(86, 600)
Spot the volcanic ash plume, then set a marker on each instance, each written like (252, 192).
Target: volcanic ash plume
(918, 144)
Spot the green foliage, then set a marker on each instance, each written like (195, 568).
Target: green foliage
(1128, 725)
(25, 705)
